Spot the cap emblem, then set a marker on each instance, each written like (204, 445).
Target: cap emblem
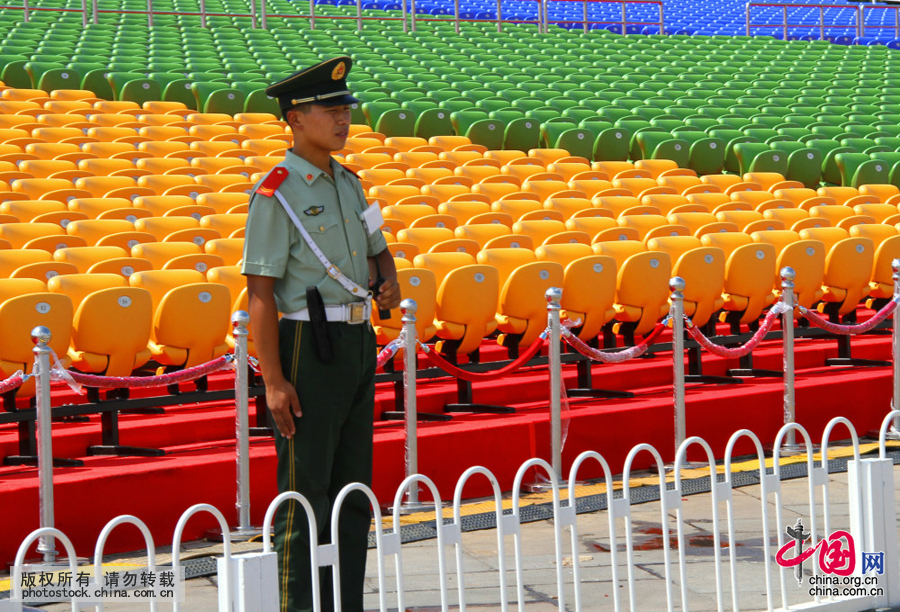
(339, 71)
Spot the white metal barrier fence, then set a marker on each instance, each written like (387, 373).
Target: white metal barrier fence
(249, 581)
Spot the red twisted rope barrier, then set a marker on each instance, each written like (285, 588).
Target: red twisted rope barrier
(139, 382)
(617, 357)
(511, 367)
(13, 382)
(849, 330)
(740, 351)
(390, 349)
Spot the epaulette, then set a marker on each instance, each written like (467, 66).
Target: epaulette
(272, 182)
(351, 171)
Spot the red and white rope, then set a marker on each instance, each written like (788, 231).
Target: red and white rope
(14, 381)
(391, 348)
(850, 330)
(738, 351)
(143, 382)
(612, 357)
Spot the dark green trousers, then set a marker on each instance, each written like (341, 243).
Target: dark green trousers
(332, 448)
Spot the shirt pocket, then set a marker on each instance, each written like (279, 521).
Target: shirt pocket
(325, 232)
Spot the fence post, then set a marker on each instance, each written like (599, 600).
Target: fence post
(821, 23)
(873, 520)
(409, 307)
(359, 19)
(405, 15)
(312, 14)
(413, 15)
(894, 432)
(84, 14)
(252, 14)
(787, 325)
(676, 286)
(784, 14)
(239, 322)
(26, 12)
(263, 20)
(585, 16)
(95, 17)
(455, 13)
(554, 295)
(41, 337)
(624, 18)
(748, 18)
(202, 13)
(150, 13)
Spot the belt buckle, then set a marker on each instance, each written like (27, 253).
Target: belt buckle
(357, 312)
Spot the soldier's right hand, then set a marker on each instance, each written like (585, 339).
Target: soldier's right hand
(283, 402)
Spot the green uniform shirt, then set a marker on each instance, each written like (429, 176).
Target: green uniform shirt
(330, 211)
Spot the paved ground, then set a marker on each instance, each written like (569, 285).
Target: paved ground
(648, 583)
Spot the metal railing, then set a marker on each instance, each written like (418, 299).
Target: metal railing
(785, 22)
(259, 15)
(624, 22)
(869, 524)
(867, 9)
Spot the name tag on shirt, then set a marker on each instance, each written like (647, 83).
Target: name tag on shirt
(372, 218)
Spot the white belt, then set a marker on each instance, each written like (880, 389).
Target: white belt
(354, 313)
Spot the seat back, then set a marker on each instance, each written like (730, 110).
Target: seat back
(522, 311)
(642, 223)
(506, 261)
(124, 266)
(85, 257)
(466, 306)
(418, 284)
(93, 230)
(231, 250)
(882, 283)
(747, 288)
(727, 241)
(79, 286)
(159, 253)
(562, 254)
(19, 315)
(589, 292)
(807, 258)
(482, 232)
(193, 319)
(829, 236)
(160, 282)
(441, 264)
(115, 323)
(848, 270)
(12, 259)
(703, 270)
(642, 290)
(230, 276)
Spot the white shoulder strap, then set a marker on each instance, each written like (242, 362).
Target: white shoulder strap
(332, 270)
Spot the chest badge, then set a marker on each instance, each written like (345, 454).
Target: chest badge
(313, 211)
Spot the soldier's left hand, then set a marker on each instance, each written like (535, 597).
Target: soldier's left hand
(389, 294)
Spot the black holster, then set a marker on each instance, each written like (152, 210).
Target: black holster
(319, 324)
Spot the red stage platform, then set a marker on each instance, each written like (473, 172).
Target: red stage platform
(198, 439)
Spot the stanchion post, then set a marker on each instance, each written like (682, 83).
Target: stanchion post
(41, 337)
(676, 286)
(787, 323)
(554, 295)
(894, 432)
(239, 322)
(409, 307)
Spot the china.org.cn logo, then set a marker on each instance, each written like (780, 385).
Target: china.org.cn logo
(837, 561)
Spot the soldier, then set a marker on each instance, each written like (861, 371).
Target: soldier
(314, 251)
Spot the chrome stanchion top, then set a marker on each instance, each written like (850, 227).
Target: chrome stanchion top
(677, 285)
(408, 306)
(41, 336)
(553, 295)
(240, 318)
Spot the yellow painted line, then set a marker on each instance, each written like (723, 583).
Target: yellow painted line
(532, 499)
